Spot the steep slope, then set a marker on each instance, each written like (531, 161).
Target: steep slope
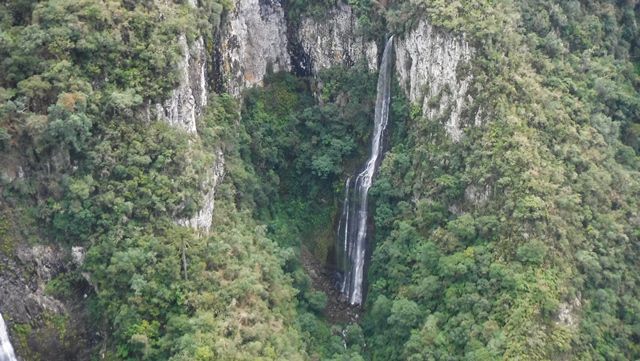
(518, 239)
(100, 176)
(145, 216)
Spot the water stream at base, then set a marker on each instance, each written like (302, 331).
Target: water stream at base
(352, 229)
(6, 350)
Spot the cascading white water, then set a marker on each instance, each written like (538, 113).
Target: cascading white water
(352, 230)
(343, 233)
(6, 350)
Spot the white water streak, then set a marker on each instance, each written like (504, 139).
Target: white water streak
(356, 247)
(6, 350)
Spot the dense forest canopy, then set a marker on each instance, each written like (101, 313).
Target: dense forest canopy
(519, 241)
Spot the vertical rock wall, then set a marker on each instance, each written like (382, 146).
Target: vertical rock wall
(202, 219)
(181, 110)
(186, 104)
(253, 42)
(429, 65)
(333, 41)
(190, 97)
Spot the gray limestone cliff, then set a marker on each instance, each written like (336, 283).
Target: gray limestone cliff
(334, 40)
(253, 42)
(181, 110)
(257, 40)
(201, 221)
(188, 100)
(430, 65)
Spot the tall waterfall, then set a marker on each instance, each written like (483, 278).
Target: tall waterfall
(352, 230)
(6, 350)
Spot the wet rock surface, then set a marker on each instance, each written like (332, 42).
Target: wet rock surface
(28, 307)
(338, 310)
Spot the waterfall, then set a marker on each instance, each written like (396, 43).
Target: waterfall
(6, 350)
(343, 234)
(352, 229)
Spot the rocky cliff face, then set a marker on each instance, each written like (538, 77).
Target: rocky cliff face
(430, 64)
(253, 42)
(22, 294)
(430, 67)
(333, 41)
(201, 221)
(182, 109)
(40, 325)
(190, 97)
(257, 39)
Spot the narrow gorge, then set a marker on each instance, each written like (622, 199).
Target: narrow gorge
(255, 40)
(319, 180)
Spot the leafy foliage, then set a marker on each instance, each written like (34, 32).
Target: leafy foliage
(518, 242)
(505, 242)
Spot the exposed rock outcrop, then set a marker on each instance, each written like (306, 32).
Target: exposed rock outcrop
(182, 109)
(430, 63)
(202, 220)
(334, 41)
(190, 97)
(22, 295)
(568, 313)
(29, 308)
(253, 42)
(430, 67)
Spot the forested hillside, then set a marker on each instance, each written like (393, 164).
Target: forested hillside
(172, 177)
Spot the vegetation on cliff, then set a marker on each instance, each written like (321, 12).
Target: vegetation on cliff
(519, 242)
